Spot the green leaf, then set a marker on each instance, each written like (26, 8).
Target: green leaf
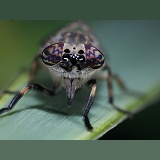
(133, 53)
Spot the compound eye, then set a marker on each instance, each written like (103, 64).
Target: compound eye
(94, 57)
(52, 54)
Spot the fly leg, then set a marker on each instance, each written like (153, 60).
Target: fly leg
(7, 92)
(89, 104)
(110, 93)
(34, 68)
(22, 92)
(123, 87)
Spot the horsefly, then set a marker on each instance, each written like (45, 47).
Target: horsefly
(74, 59)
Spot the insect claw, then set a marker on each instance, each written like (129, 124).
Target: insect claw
(87, 123)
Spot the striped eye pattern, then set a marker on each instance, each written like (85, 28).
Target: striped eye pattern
(52, 54)
(94, 57)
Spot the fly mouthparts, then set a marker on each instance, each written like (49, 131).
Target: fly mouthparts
(69, 101)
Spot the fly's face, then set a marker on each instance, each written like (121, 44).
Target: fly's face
(73, 58)
(73, 63)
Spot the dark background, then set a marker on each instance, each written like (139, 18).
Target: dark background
(144, 126)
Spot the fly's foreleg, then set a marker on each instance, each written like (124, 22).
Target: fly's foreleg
(22, 92)
(89, 104)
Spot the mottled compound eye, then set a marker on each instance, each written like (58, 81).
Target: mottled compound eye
(94, 57)
(52, 54)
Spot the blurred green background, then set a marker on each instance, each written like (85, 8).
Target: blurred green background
(136, 41)
(20, 41)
